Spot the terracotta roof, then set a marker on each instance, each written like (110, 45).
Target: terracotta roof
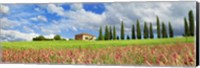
(85, 34)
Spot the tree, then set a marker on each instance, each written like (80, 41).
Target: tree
(100, 34)
(158, 27)
(117, 37)
(138, 30)
(114, 33)
(122, 31)
(127, 37)
(106, 33)
(111, 36)
(151, 31)
(164, 33)
(171, 33)
(57, 37)
(39, 38)
(187, 33)
(133, 32)
(191, 21)
(146, 35)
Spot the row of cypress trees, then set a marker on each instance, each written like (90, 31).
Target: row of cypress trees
(163, 33)
(189, 29)
(110, 33)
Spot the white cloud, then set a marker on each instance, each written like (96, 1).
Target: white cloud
(77, 6)
(37, 9)
(49, 36)
(167, 11)
(76, 19)
(6, 23)
(39, 18)
(28, 29)
(13, 35)
(4, 9)
(52, 8)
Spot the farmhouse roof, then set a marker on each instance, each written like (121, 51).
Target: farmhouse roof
(85, 34)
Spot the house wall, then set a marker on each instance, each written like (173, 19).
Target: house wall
(87, 37)
(79, 37)
(84, 37)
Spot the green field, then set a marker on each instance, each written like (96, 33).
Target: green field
(92, 44)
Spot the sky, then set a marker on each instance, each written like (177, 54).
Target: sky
(22, 22)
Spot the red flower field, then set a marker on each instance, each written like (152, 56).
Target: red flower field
(161, 55)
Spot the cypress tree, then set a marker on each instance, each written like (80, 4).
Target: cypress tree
(158, 27)
(114, 33)
(117, 37)
(127, 37)
(164, 33)
(106, 33)
(145, 31)
(191, 21)
(151, 31)
(111, 36)
(133, 32)
(100, 34)
(187, 33)
(122, 31)
(171, 32)
(138, 30)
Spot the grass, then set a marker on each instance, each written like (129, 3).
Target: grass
(92, 44)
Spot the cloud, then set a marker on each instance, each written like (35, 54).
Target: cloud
(167, 11)
(52, 8)
(4, 9)
(6, 23)
(77, 6)
(39, 18)
(37, 9)
(28, 29)
(14, 35)
(49, 36)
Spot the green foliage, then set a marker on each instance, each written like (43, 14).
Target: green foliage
(122, 31)
(127, 37)
(187, 33)
(164, 31)
(171, 32)
(138, 30)
(57, 37)
(117, 37)
(100, 34)
(191, 21)
(42, 38)
(151, 31)
(133, 32)
(114, 33)
(39, 38)
(146, 32)
(158, 27)
(107, 37)
(111, 35)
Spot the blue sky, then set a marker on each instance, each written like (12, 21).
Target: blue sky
(25, 21)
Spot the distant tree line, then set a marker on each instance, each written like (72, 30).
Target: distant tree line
(136, 33)
(42, 38)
